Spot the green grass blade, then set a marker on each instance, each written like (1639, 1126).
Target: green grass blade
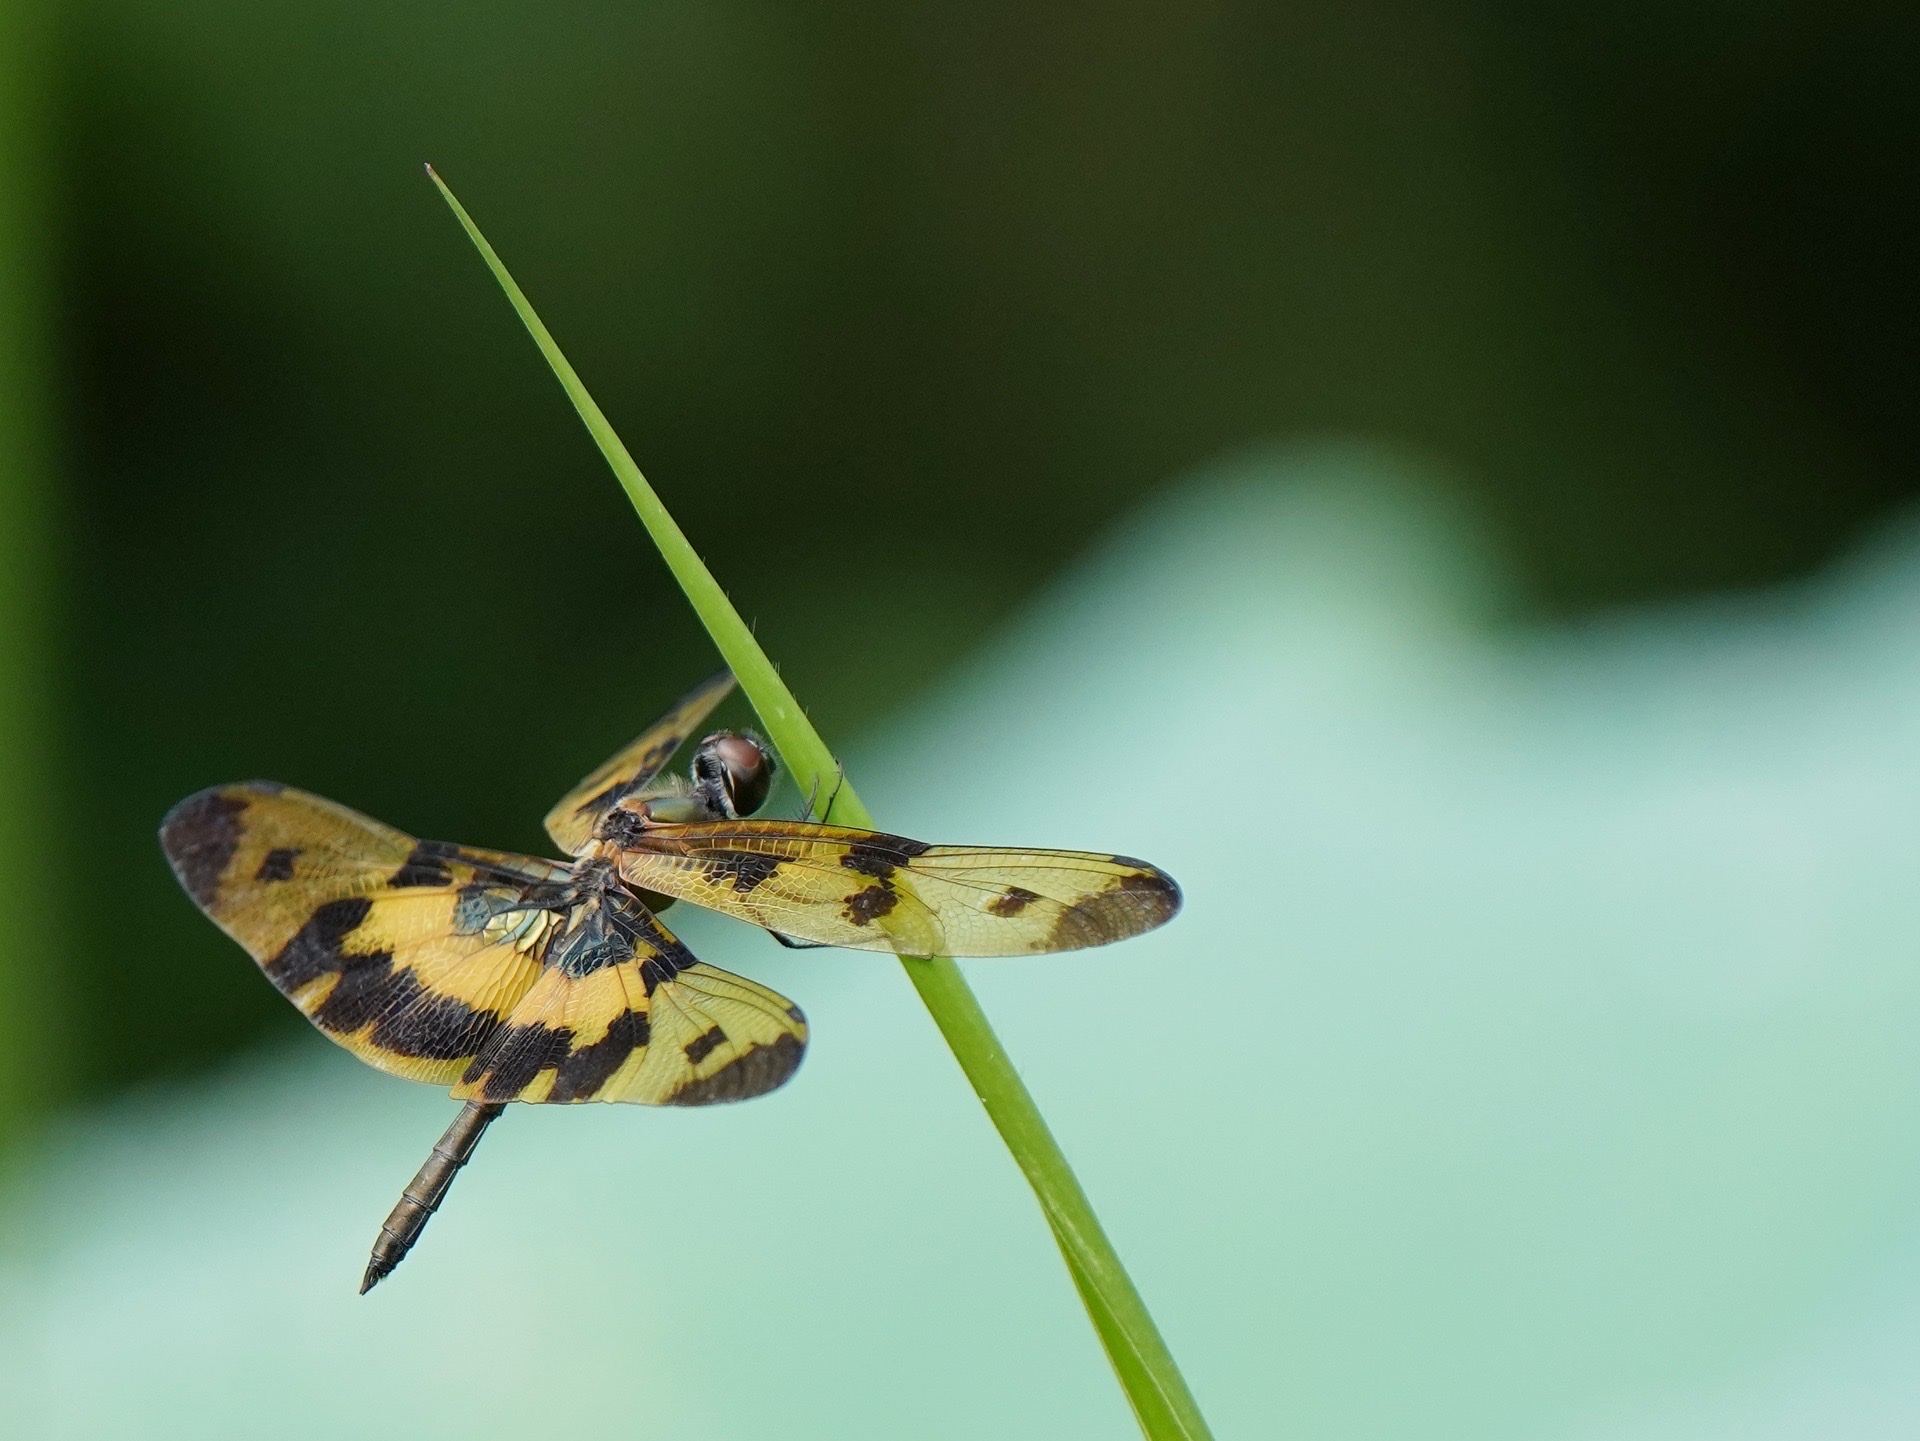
(1145, 1368)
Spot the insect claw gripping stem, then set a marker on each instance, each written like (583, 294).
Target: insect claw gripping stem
(426, 1190)
(818, 816)
(839, 781)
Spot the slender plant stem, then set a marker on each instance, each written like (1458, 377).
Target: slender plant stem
(1154, 1387)
(1140, 1357)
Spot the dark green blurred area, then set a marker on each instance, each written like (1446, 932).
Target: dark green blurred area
(898, 306)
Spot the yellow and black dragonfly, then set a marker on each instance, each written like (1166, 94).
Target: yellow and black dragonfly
(509, 978)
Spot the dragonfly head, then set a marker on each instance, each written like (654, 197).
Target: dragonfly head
(732, 773)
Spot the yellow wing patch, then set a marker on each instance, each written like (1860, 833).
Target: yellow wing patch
(503, 976)
(718, 1037)
(572, 820)
(407, 953)
(660, 1029)
(875, 892)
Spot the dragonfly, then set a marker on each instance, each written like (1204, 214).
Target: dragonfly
(509, 978)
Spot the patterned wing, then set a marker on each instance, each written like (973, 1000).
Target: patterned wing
(652, 1026)
(571, 822)
(873, 892)
(408, 953)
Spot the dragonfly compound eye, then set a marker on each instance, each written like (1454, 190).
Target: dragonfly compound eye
(740, 765)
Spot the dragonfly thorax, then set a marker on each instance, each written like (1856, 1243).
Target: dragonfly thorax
(732, 774)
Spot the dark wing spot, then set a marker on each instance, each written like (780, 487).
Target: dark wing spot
(586, 1069)
(426, 865)
(868, 860)
(865, 907)
(515, 1055)
(361, 995)
(758, 1071)
(1012, 901)
(702, 1046)
(1137, 902)
(742, 871)
(880, 856)
(1147, 878)
(200, 836)
(407, 1018)
(278, 865)
(671, 960)
(315, 948)
(677, 956)
(436, 1028)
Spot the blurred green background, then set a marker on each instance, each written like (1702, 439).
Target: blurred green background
(903, 309)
